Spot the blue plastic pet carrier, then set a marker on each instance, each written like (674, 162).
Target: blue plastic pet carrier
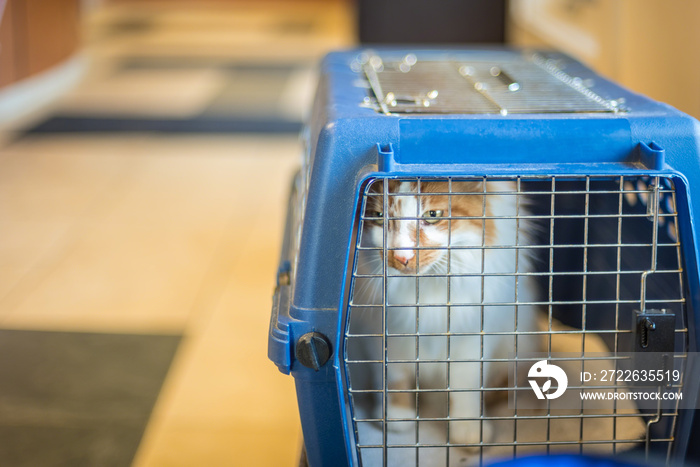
(460, 213)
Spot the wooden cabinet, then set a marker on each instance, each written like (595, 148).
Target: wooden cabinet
(649, 46)
(36, 35)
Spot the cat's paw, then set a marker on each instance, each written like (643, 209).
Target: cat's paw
(470, 432)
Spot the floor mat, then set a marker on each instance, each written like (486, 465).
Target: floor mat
(173, 71)
(78, 399)
(197, 96)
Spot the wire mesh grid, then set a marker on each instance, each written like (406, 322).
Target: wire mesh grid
(455, 282)
(529, 83)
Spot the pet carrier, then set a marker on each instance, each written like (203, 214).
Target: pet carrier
(468, 228)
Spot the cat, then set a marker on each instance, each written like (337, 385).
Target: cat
(449, 249)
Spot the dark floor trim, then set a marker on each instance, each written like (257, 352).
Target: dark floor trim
(82, 124)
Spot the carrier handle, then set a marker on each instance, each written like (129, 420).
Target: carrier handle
(279, 348)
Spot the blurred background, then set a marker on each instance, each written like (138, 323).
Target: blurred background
(146, 148)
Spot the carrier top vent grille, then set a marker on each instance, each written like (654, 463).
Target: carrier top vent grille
(525, 84)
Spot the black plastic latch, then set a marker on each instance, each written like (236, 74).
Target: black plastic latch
(653, 341)
(654, 331)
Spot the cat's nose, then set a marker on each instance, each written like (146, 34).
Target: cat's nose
(403, 256)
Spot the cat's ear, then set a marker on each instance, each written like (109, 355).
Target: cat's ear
(434, 187)
(467, 187)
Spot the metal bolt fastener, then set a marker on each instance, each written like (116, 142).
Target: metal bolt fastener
(646, 325)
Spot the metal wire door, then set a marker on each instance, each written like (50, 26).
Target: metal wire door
(520, 264)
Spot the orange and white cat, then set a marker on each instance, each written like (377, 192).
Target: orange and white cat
(454, 284)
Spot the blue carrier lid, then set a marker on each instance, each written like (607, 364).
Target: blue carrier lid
(494, 106)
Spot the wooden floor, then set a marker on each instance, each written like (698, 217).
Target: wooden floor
(171, 233)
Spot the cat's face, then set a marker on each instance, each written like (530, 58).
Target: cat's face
(423, 223)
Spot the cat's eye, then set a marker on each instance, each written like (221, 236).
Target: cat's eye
(377, 217)
(432, 217)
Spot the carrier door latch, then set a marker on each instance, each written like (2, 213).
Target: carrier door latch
(653, 336)
(654, 331)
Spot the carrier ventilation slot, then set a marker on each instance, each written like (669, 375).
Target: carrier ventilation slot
(527, 84)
